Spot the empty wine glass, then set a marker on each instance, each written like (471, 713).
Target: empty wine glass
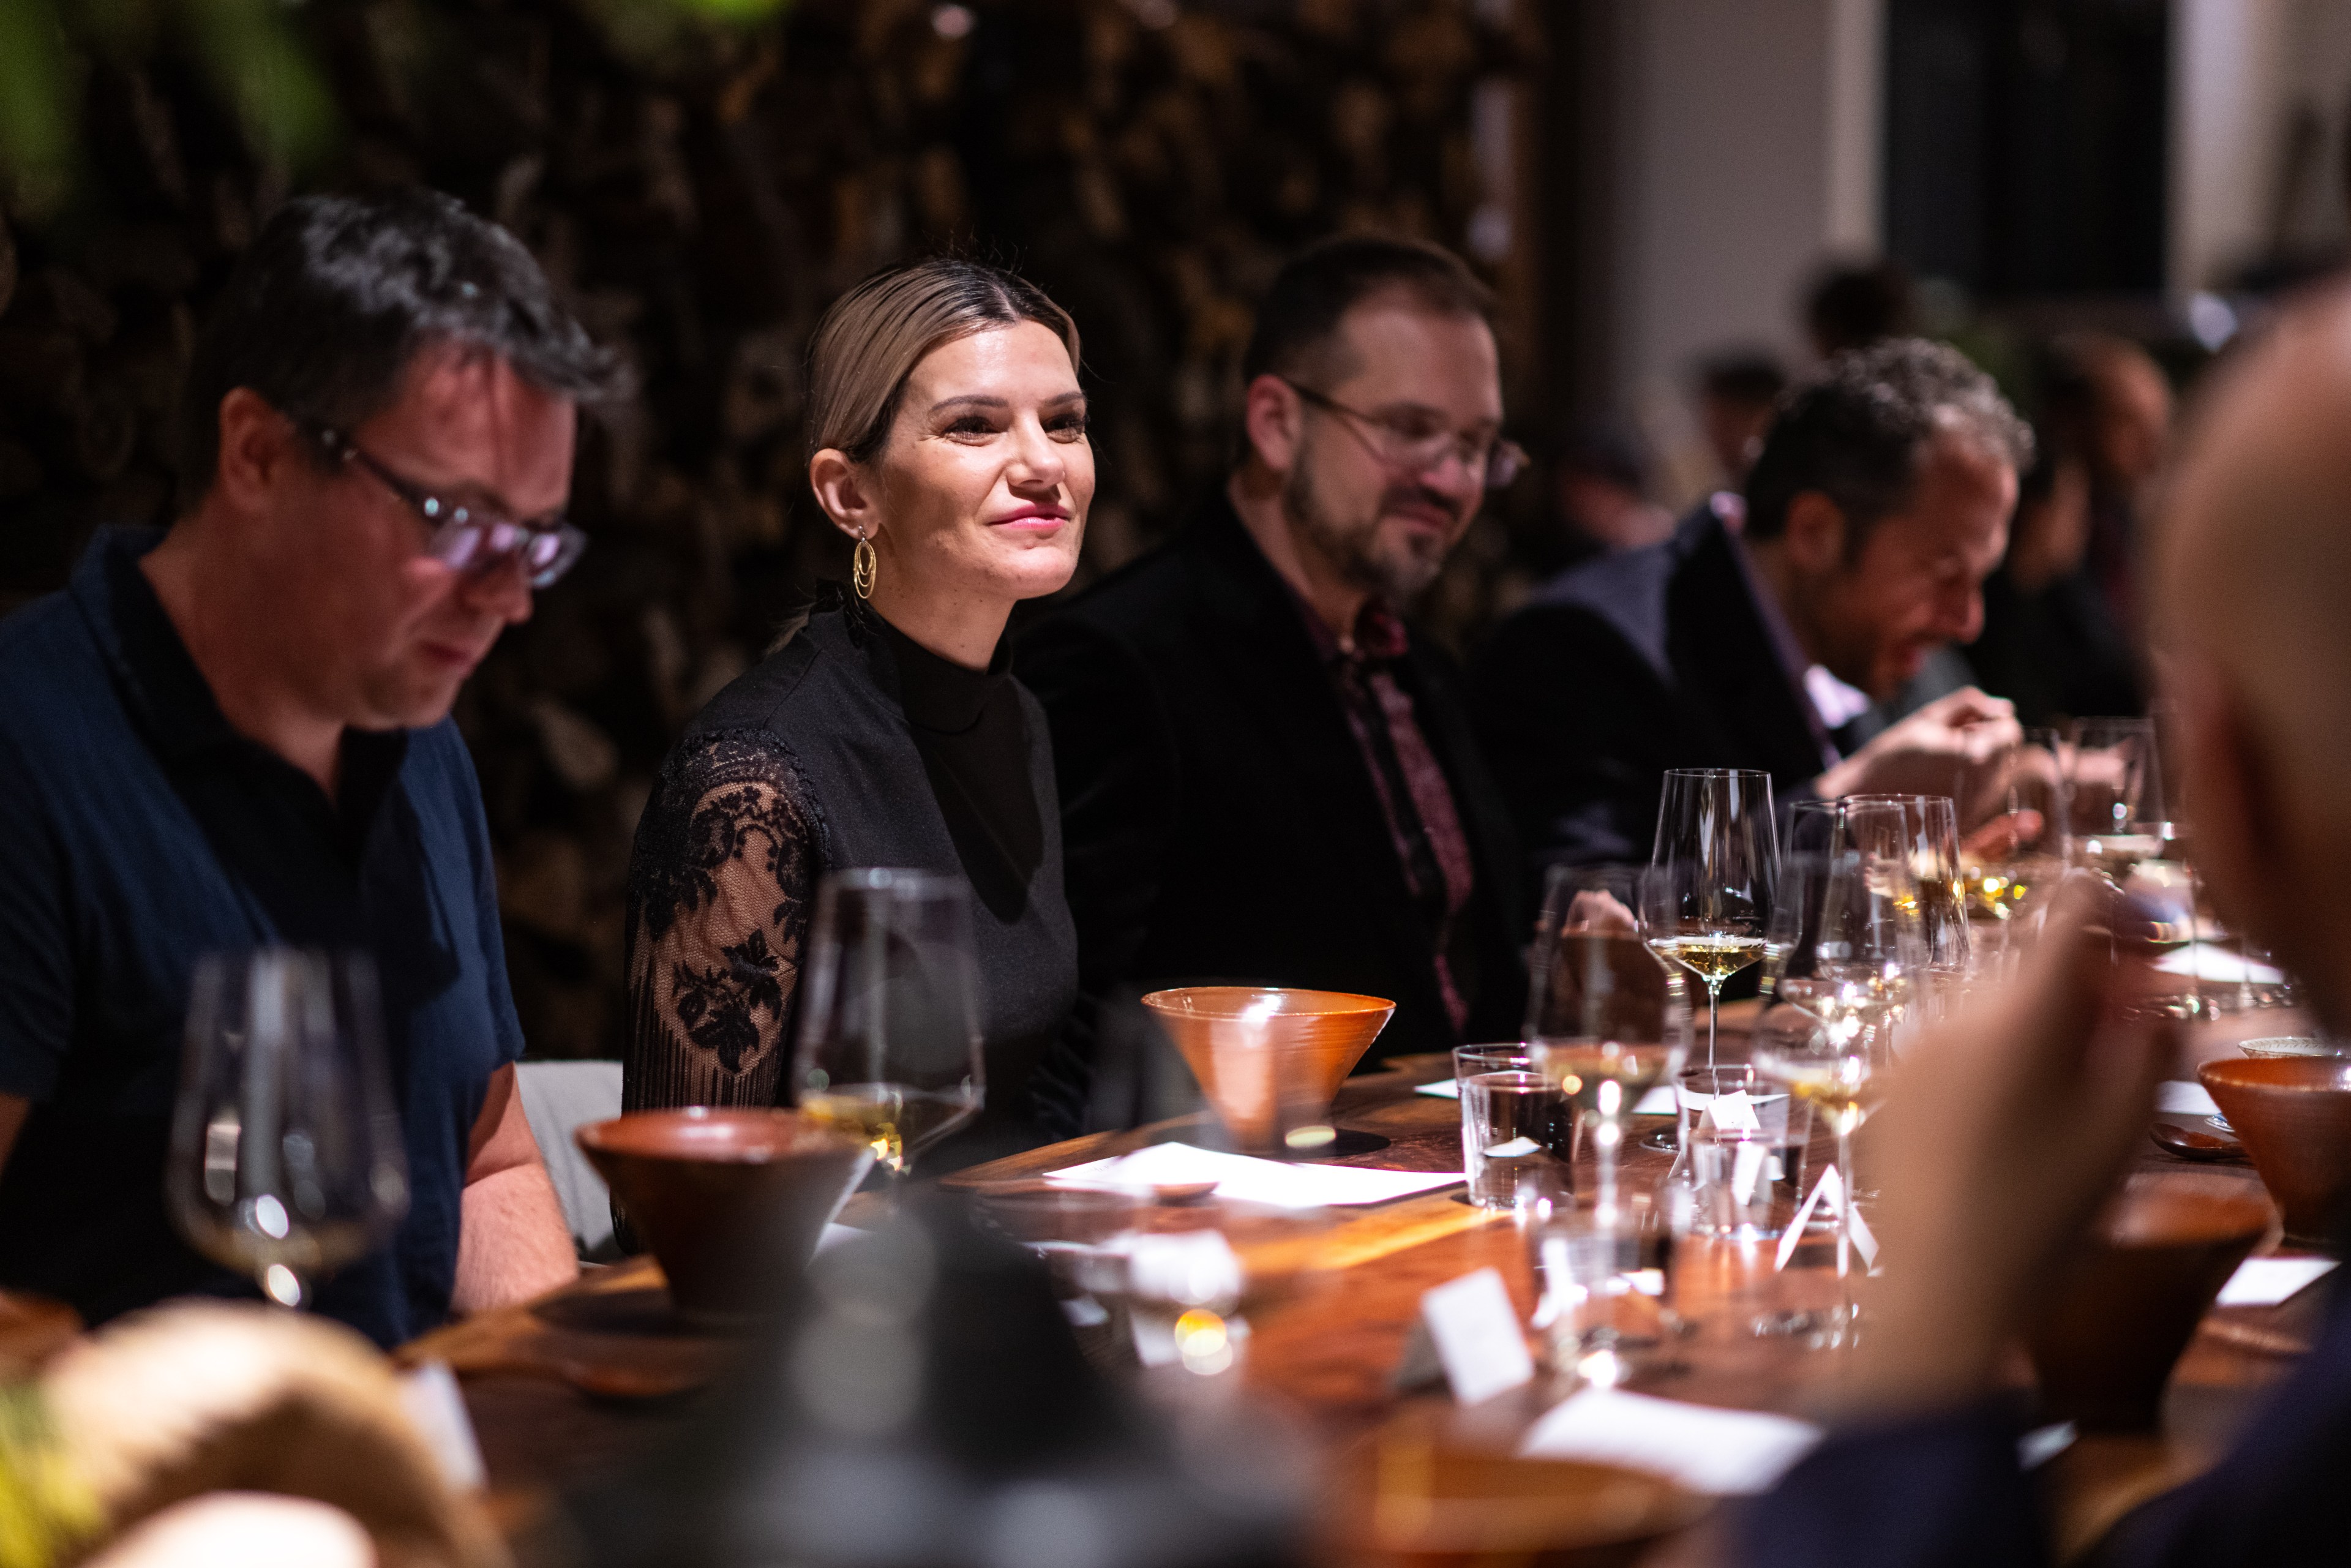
(1706, 904)
(1852, 963)
(1607, 1017)
(1930, 840)
(287, 1158)
(889, 1044)
(2113, 795)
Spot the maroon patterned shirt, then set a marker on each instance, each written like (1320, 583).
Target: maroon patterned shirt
(1413, 790)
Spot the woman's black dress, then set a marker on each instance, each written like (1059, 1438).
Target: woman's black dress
(849, 745)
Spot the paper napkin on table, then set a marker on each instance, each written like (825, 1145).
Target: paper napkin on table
(1703, 1446)
(2184, 1099)
(2266, 1281)
(1275, 1182)
(2207, 962)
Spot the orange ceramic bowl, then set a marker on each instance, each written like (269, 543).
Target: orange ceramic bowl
(1269, 1057)
(2294, 1115)
(731, 1201)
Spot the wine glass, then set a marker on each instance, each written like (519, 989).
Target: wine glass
(890, 1046)
(1846, 988)
(1706, 904)
(1607, 1019)
(2113, 795)
(286, 1157)
(1928, 838)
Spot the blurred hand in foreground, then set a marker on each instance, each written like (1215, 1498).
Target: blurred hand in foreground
(2004, 1131)
(1957, 746)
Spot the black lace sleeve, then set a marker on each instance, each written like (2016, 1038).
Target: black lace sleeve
(721, 888)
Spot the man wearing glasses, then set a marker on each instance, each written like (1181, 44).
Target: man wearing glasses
(1264, 776)
(236, 733)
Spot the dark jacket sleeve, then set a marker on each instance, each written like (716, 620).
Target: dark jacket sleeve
(1115, 762)
(1942, 1492)
(1568, 714)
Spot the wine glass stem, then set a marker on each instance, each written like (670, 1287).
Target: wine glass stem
(1608, 1132)
(1713, 1000)
(1845, 1229)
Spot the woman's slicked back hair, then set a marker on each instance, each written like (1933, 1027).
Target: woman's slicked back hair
(873, 336)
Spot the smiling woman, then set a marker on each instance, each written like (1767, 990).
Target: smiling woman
(950, 442)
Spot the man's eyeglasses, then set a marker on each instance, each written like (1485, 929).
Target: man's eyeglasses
(1415, 445)
(467, 537)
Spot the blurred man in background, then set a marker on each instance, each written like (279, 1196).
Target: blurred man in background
(1600, 482)
(1853, 305)
(1877, 507)
(1736, 394)
(2003, 1137)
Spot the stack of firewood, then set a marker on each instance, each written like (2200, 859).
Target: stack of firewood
(701, 195)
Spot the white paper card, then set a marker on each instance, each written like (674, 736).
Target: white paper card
(2207, 962)
(1657, 1102)
(436, 1409)
(1830, 1191)
(1444, 1089)
(1705, 1448)
(1476, 1331)
(2183, 1099)
(1733, 1113)
(2267, 1281)
(1275, 1182)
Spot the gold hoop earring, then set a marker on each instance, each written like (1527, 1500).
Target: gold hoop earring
(863, 566)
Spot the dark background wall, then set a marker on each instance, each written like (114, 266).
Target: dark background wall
(702, 191)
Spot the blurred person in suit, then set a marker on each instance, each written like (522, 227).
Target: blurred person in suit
(1600, 486)
(2003, 1135)
(1265, 775)
(1760, 635)
(1737, 393)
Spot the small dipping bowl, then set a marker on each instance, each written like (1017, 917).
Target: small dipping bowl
(2126, 1305)
(2293, 1116)
(730, 1201)
(1269, 1058)
(2275, 1046)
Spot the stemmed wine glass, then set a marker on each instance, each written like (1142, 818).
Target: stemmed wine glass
(1928, 838)
(1705, 906)
(1607, 1016)
(890, 1045)
(1855, 949)
(2113, 795)
(286, 1156)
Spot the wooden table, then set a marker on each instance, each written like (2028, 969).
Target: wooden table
(1330, 1348)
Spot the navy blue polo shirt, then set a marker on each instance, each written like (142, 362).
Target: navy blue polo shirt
(138, 833)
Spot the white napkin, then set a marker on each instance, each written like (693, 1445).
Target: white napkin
(2207, 962)
(2266, 1281)
(1657, 1102)
(1274, 1182)
(2184, 1099)
(1703, 1446)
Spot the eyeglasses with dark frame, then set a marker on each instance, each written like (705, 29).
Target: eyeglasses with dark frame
(1498, 463)
(465, 538)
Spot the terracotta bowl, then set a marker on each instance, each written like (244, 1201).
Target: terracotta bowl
(1269, 1057)
(2128, 1303)
(731, 1202)
(2293, 1116)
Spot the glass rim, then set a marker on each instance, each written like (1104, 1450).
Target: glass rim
(895, 878)
(1715, 773)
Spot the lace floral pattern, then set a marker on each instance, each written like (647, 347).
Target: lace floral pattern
(721, 888)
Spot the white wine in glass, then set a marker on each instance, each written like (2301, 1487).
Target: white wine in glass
(287, 1160)
(889, 1047)
(1708, 896)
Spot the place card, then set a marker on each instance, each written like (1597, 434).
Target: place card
(2269, 1282)
(1470, 1329)
(1247, 1179)
(428, 1395)
(1829, 1190)
(2207, 962)
(1733, 1113)
(1444, 1089)
(2184, 1099)
(1723, 1453)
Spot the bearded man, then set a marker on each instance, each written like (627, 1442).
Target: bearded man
(1265, 777)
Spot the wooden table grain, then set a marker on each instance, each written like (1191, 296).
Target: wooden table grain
(1327, 1345)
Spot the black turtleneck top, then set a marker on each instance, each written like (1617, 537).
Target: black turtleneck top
(849, 745)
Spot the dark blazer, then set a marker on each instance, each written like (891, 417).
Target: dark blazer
(1218, 820)
(1626, 667)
